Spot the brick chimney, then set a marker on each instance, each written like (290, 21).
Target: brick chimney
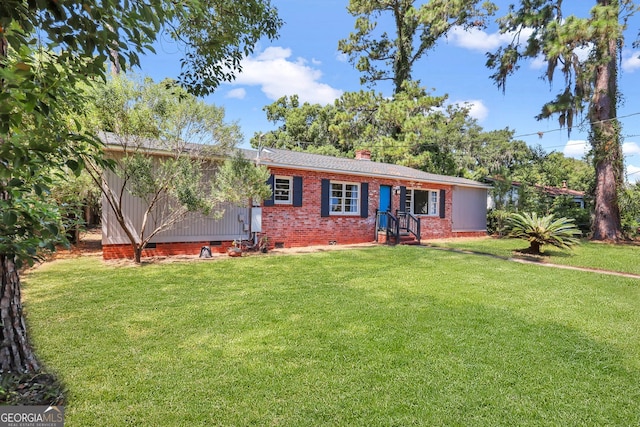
(363, 155)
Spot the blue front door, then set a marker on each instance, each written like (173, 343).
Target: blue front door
(385, 203)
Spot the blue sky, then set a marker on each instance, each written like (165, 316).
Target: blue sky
(305, 60)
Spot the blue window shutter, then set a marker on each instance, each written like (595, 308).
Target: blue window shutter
(270, 182)
(297, 191)
(364, 200)
(442, 205)
(324, 196)
(403, 199)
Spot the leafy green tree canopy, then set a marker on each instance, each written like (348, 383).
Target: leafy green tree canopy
(412, 128)
(418, 26)
(214, 34)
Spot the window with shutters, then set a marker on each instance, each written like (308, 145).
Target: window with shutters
(344, 198)
(423, 202)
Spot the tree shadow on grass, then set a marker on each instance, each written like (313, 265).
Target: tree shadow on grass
(546, 255)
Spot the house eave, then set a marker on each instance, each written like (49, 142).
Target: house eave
(115, 148)
(375, 175)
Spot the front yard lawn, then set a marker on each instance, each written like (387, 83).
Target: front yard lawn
(622, 257)
(376, 336)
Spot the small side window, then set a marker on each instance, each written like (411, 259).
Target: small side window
(283, 190)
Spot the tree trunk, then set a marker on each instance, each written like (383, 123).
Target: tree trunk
(606, 224)
(605, 139)
(137, 253)
(16, 355)
(534, 247)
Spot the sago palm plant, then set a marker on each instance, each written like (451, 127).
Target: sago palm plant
(543, 230)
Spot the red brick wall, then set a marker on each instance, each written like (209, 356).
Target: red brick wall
(469, 234)
(434, 227)
(303, 226)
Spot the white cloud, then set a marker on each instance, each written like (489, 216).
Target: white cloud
(576, 149)
(238, 93)
(273, 53)
(476, 39)
(630, 61)
(481, 41)
(633, 173)
(538, 63)
(476, 107)
(630, 148)
(278, 75)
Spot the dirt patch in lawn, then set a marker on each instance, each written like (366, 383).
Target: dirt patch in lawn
(90, 243)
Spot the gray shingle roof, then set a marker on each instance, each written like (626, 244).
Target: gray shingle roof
(276, 157)
(307, 161)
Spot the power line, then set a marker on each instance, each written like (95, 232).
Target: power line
(580, 142)
(541, 133)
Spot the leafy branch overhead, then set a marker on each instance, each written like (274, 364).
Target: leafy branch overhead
(214, 35)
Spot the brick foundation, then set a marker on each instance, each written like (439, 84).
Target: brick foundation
(469, 234)
(162, 249)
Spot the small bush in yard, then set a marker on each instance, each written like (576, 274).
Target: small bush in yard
(543, 230)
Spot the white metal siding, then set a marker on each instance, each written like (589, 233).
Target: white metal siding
(194, 228)
(469, 209)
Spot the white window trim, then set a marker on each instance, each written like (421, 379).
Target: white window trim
(289, 200)
(358, 199)
(410, 195)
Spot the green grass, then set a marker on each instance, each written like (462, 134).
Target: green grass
(623, 257)
(379, 336)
